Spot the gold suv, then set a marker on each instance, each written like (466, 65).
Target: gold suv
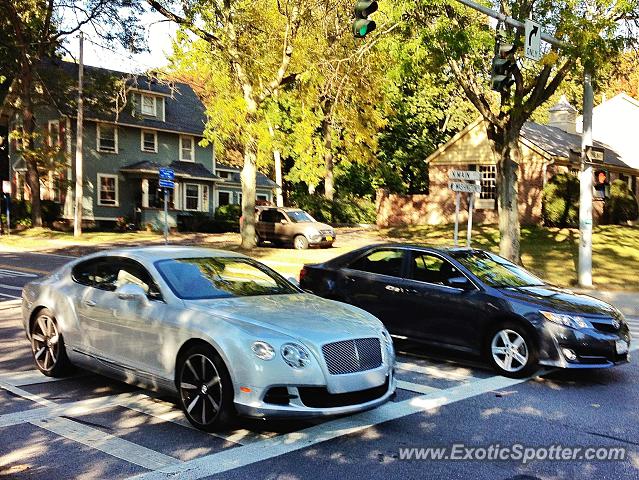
(291, 226)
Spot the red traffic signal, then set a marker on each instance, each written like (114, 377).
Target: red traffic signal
(601, 177)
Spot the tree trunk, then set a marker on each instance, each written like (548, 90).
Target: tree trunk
(28, 129)
(329, 183)
(505, 144)
(248, 177)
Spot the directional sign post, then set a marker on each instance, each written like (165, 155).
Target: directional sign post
(533, 40)
(166, 181)
(594, 155)
(464, 181)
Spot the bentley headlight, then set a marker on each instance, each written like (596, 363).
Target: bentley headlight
(572, 321)
(295, 355)
(263, 350)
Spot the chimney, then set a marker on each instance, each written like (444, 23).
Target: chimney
(563, 116)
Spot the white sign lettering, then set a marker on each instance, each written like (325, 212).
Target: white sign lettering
(470, 175)
(464, 187)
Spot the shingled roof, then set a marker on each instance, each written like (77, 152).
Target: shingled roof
(184, 110)
(261, 179)
(181, 169)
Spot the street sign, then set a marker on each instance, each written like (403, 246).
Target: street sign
(594, 154)
(532, 40)
(470, 175)
(464, 187)
(167, 176)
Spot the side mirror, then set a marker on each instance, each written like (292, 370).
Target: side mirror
(131, 291)
(283, 221)
(459, 282)
(294, 281)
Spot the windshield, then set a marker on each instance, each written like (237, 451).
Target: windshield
(221, 277)
(299, 216)
(495, 270)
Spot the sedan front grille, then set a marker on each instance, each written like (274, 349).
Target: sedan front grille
(350, 356)
(326, 232)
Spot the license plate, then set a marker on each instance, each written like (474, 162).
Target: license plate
(621, 346)
(329, 238)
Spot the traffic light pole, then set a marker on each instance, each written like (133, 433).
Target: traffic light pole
(585, 180)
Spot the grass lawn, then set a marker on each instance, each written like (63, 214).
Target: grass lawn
(552, 253)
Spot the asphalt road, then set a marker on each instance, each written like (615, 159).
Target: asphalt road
(88, 426)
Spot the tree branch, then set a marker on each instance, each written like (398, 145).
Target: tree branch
(476, 97)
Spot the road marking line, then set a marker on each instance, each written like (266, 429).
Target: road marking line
(415, 387)
(273, 447)
(170, 413)
(9, 296)
(446, 373)
(31, 377)
(11, 287)
(24, 269)
(107, 443)
(15, 273)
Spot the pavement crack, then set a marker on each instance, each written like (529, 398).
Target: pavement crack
(87, 423)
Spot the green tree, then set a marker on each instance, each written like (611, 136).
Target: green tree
(36, 30)
(465, 40)
(250, 46)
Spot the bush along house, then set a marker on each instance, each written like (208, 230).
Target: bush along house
(546, 150)
(133, 125)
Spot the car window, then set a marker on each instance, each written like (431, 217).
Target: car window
(220, 277)
(432, 269)
(495, 270)
(300, 216)
(268, 216)
(279, 216)
(384, 262)
(108, 273)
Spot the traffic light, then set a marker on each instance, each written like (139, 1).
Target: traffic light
(362, 26)
(602, 183)
(501, 77)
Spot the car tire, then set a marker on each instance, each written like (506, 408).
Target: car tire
(47, 345)
(300, 242)
(258, 241)
(511, 350)
(205, 390)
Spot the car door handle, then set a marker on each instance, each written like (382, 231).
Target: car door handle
(89, 303)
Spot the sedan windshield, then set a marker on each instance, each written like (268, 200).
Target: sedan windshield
(220, 277)
(299, 216)
(496, 271)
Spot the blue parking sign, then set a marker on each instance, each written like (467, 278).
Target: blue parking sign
(167, 175)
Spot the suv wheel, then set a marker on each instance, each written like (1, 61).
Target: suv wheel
(300, 242)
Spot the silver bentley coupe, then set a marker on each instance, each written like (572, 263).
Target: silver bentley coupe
(222, 332)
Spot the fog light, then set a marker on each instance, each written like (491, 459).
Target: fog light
(569, 354)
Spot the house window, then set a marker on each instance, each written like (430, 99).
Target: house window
(107, 138)
(239, 198)
(488, 182)
(223, 174)
(149, 105)
(149, 141)
(262, 197)
(156, 195)
(224, 198)
(54, 133)
(186, 149)
(108, 189)
(192, 197)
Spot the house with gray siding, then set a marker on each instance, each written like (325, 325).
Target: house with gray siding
(157, 124)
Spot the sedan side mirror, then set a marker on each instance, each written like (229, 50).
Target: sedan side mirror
(459, 282)
(283, 221)
(294, 281)
(131, 291)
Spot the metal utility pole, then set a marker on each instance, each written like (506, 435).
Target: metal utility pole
(585, 177)
(585, 190)
(77, 218)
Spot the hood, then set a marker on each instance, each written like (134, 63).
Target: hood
(301, 316)
(560, 300)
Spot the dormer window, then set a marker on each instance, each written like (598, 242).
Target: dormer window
(149, 105)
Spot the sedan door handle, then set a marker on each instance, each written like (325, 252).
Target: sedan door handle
(89, 303)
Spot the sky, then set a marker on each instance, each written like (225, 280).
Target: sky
(159, 36)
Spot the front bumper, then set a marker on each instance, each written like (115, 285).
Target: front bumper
(297, 398)
(592, 348)
(323, 240)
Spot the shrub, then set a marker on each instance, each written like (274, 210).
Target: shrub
(621, 206)
(21, 212)
(228, 213)
(347, 209)
(560, 201)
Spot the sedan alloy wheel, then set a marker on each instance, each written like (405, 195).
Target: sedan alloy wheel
(47, 345)
(204, 389)
(510, 352)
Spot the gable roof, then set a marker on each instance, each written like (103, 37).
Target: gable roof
(184, 110)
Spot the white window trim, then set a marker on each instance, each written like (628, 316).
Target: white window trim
(199, 197)
(99, 189)
(57, 123)
(155, 135)
(154, 113)
(115, 136)
(267, 197)
(217, 197)
(192, 159)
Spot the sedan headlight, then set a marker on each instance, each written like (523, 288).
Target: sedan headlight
(295, 355)
(572, 321)
(263, 350)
